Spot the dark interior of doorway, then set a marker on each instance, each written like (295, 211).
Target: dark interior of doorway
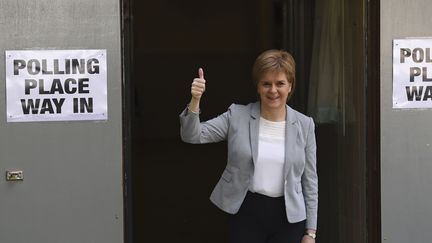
(168, 182)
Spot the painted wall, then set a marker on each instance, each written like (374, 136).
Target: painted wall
(72, 188)
(406, 135)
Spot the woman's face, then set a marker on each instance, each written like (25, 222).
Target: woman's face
(273, 89)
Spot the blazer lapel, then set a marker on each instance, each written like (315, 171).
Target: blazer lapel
(254, 130)
(291, 133)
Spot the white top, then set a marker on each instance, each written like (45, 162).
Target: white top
(269, 167)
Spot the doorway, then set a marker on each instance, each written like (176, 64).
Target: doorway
(168, 182)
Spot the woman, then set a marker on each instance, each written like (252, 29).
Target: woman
(270, 184)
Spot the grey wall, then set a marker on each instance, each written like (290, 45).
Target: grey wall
(72, 188)
(406, 135)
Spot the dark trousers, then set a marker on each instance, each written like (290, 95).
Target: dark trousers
(262, 219)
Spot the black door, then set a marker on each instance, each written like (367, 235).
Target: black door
(168, 182)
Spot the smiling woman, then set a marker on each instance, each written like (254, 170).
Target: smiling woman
(273, 89)
(272, 191)
(274, 78)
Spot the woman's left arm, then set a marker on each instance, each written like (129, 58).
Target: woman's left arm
(310, 179)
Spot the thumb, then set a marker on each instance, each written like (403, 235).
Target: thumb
(201, 73)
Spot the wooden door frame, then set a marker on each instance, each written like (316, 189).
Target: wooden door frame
(373, 149)
(126, 7)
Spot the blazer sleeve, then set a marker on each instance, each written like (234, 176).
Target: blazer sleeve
(310, 179)
(192, 130)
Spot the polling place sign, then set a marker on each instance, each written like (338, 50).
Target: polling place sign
(412, 73)
(56, 85)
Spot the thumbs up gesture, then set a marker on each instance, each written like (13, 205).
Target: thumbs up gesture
(197, 90)
(198, 85)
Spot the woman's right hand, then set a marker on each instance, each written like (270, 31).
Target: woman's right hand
(198, 85)
(197, 90)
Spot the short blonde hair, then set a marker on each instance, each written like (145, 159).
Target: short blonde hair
(274, 61)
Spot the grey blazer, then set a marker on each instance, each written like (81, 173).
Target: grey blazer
(240, 127)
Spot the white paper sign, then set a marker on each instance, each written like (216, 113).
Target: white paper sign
(412, 73)
(56, 85)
